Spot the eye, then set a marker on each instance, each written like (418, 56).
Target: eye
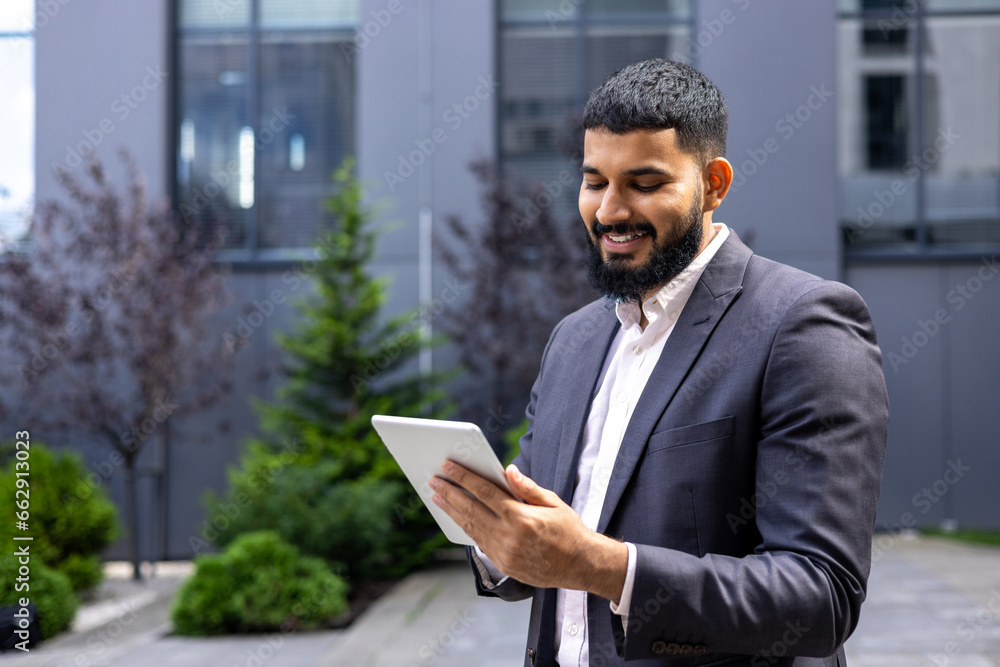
(595, 186)
(648, 188)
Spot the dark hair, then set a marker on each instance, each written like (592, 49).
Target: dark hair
(662, 94)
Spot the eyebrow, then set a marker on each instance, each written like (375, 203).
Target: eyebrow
(638, 171)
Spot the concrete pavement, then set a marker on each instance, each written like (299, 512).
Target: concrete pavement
(931, 603)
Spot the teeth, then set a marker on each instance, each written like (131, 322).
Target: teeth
(628, 237)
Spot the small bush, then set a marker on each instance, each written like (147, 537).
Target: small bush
(72, 521)
(48, 590)
(259, 584)
(355, 525)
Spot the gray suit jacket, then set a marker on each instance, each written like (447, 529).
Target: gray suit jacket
(748, 477)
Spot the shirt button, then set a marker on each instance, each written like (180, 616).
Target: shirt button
(573, 629)
(637, 350)
(622, 398)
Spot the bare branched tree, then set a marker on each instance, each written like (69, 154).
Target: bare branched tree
(526, 270)
(105, 320)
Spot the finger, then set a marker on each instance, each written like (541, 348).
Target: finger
(527, 489)
(471, 515)
(488, 493)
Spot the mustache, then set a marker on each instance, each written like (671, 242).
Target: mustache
(622, 228)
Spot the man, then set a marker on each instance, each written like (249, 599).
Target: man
(702, 467)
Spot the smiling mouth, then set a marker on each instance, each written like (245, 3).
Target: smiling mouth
(625, 238)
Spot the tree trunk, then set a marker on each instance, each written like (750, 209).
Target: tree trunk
(131, 517)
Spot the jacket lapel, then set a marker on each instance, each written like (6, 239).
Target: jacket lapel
(719, 285)
(591, 353)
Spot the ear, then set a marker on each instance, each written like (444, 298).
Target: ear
(718, 176)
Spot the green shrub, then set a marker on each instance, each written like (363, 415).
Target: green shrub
(259, 584)
(71, 521)
(352, 524)
(48, 590)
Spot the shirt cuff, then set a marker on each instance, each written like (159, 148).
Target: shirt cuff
(625, 601)
(489, 575)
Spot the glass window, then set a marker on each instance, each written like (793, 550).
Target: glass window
(960, 156)
(612, 8)
(551, 57)
(308, 13)
(538, 10)
(214, 110)
(919, 126)
(215, 13)
(17, 114)
(266, 115)
(307, 127)
(886, 115)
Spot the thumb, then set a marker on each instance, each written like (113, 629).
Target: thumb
(526, 488)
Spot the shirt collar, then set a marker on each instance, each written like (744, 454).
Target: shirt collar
(665, 305)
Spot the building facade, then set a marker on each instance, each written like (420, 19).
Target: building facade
(864, 136)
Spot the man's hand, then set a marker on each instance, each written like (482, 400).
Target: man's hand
(540, 542)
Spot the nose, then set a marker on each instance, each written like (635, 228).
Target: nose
(614, 207)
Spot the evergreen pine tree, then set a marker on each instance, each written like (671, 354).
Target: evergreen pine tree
(319, 475)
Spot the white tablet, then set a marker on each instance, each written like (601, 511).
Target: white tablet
(420, 446)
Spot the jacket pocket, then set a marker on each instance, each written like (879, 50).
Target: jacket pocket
(689, 435)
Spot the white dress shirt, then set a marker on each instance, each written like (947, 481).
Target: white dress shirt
(628, 366)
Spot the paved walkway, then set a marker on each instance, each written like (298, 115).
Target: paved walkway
(932, 603)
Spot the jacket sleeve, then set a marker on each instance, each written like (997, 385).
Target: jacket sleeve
(511, 589)
(823, 398)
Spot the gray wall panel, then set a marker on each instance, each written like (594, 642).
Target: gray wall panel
(103, 78)
(900, 297)
(427, 109)
(388, 124)
(974, 369)
(769, 68)
(937, 330)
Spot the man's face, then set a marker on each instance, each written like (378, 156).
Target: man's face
(642, 203)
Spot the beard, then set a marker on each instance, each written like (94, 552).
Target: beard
(615, 279)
